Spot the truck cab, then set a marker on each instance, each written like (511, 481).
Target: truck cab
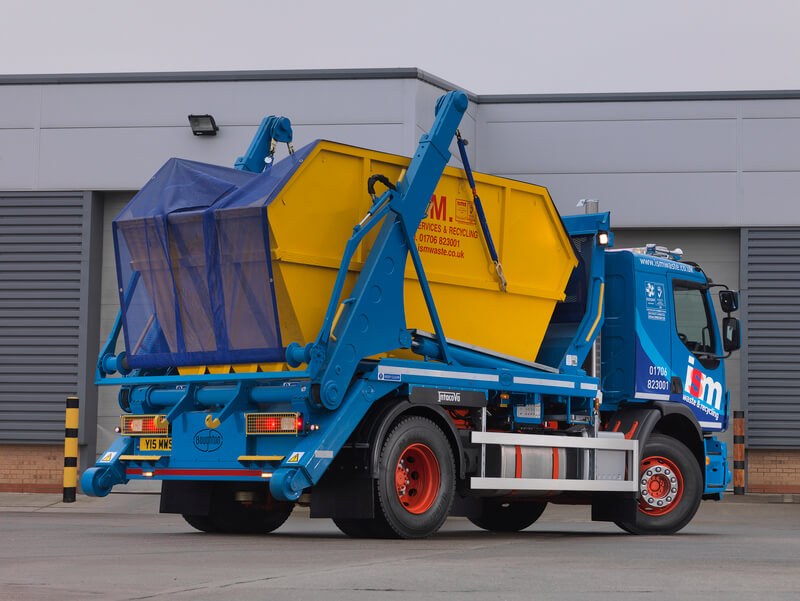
(661, 341)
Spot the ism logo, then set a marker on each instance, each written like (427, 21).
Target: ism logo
(702, 387)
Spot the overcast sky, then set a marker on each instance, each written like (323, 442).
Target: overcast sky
(487, 47)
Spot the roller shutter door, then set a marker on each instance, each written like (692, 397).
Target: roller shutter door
(771, 350)
(43, 268)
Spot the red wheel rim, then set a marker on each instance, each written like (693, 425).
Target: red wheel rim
(417, 478)
(660, 486)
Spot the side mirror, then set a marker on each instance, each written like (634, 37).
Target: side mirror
(731, 337)
(729, 300)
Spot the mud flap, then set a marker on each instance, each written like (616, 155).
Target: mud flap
(343, 497)
(186, 497)
(614, 507)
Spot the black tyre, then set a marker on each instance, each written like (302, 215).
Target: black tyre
(670, 487)
(501, 515)
(358, 528)
(203, 523)
(416, 482)
(255, 518)
(241, 509)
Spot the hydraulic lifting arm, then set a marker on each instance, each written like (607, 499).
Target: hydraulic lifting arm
(262, 149)
(372, 320)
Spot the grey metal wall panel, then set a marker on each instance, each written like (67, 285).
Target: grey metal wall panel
(769, 198)
(112, 136)
(771, 372)
(728, 162)
(120, 158)
(42, 258)
(608, 111)
(776, 108)
(231, 103)
(612, 146)
(105, 133)
(21, 106)
(17, 158)
(771, 144)
(647, 199)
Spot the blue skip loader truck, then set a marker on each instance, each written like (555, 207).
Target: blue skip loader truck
(280, 348)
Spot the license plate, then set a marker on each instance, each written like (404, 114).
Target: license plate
(155, 444)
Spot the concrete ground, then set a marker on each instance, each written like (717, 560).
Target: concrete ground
(121, 548)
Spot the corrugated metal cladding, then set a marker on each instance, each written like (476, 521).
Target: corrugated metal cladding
(43, 252)
(771, 353)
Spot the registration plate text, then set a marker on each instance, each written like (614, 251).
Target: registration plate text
(155, 444)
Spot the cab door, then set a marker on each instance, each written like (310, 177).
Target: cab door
(696, 347)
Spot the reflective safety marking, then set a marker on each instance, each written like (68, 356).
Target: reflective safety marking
(131, 471)
(714, 425)
(599, 311)
(386, 373)
(108, 457)
(544, 382)
(651, 396)
(295, 457)
(261, 458)
(139, 457)
(390, 374)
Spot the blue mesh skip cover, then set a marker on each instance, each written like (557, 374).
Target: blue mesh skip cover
(193, 265)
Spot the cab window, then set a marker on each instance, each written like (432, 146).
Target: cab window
(693, 320)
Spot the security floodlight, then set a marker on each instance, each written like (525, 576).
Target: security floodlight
(203, 125)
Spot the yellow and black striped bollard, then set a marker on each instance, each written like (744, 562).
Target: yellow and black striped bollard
(71, 450)
(738, 452)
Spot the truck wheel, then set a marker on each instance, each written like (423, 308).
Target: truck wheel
(259, 514)
(670, 487)
(236, 518)
(416, 481)
(357, 527)
(203, 523)
(500, 515)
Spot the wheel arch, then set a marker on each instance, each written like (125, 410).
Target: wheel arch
(678, 422)
(670, 419)
(379, 422)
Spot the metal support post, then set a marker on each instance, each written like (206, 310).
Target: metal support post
(71, 450)
(738, 453)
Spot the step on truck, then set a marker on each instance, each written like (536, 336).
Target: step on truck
(393, 340)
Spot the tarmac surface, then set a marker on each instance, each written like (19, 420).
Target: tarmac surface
(120, 548)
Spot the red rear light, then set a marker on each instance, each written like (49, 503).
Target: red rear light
(274, 423)
(142, 425)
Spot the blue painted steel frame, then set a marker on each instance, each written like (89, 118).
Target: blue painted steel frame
(372, 321)
(259, 153)
(592, 322)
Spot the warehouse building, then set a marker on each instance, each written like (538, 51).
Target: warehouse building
(715, 174)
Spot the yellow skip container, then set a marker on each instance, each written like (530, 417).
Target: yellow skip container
(312, 218)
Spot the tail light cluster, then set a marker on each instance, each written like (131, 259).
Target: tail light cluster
(143, 425)
(274, 423)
